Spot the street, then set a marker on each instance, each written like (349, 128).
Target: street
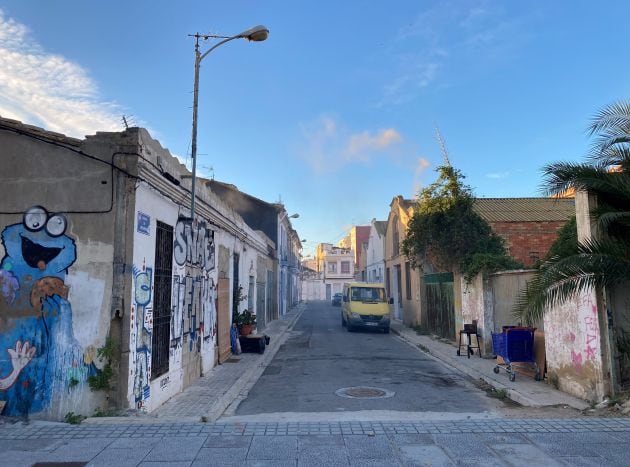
(321, 357)
(408, 410)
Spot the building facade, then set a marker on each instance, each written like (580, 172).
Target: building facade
(336, 267)
(401, 280)
(110, 293)
(375, 260)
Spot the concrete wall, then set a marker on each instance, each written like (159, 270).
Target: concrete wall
(55, 272)
(576, 342)
(490, 300)
(313, 289)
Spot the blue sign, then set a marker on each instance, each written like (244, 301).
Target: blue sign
(144, 223)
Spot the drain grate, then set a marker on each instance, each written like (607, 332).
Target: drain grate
(364, 392)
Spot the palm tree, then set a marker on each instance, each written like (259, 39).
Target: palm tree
(599, 262)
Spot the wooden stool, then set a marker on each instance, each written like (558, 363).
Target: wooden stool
(469, 330)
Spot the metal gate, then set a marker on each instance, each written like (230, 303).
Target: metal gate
(439, 303)
(162, 299)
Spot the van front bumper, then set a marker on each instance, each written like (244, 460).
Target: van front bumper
(369, 322)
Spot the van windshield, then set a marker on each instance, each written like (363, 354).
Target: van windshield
(367, 294)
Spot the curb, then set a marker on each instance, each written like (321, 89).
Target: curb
(241, 387)
(236, 392)
(513, 394)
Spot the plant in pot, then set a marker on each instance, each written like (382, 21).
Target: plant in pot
(246, 322)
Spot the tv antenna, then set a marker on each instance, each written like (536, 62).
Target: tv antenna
(440, 139)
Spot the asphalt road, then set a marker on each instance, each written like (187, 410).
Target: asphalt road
(321, 357)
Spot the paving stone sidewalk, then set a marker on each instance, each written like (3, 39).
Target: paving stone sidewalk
(473, 442)
(524, 390)
(209, 396)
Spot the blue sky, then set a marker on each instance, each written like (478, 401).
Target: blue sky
(335, 113)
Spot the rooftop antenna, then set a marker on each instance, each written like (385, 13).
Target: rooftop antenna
(440, 139)
(124, 120)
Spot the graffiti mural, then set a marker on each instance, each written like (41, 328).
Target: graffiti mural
(194, 291)
(40, 358)
(194, 246)
(142, 325)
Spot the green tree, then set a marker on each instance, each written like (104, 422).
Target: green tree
(445, 230)
(599, 262)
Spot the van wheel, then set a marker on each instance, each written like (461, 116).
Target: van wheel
(343, 321)
(386, 330)
(349, 328)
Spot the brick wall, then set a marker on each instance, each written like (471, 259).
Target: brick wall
(528, 241)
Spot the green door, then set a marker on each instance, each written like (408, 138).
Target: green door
(439, 303)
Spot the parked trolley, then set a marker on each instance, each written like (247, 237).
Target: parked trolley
(514, 344)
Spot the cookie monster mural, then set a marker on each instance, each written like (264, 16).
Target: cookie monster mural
(38, 351)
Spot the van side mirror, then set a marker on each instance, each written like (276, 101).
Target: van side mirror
(391, 300)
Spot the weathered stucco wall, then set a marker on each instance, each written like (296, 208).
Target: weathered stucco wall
(476, 304)
(573, 347)
(55, 274)
(573, 335)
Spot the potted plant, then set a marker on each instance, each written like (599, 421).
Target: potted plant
(246, 322)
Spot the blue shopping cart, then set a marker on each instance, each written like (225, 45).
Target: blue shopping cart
(514, 344)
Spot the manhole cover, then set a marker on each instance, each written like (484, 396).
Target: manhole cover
(364, 392)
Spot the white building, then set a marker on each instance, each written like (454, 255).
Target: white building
(375, 262)
(336, 265)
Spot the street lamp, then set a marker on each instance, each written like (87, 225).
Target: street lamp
(256, 34)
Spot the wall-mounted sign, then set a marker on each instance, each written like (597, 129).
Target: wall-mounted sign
(144, 223)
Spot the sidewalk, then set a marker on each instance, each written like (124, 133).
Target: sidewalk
(208, 397)
(525, 390)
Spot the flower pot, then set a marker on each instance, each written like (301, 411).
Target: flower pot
(246, 329)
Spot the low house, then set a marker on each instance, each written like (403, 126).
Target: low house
(109, 293)
(272, 219)
(401, 280)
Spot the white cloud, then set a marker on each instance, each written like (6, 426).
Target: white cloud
(48, 90)
(422, 164)
(328, 146)
(433, 45)
(498, 175)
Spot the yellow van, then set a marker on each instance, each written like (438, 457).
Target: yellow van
(365, 305)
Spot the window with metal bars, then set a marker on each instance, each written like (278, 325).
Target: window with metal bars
(162, 299)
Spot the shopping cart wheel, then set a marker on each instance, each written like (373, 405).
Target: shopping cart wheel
(512, 376)
(496, 370)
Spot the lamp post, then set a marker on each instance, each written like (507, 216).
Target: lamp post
(256, 34)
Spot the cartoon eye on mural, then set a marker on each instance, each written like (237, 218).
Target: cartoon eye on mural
(36, 316)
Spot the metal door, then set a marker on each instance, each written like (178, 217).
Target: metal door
(439, 304)
(162, 300)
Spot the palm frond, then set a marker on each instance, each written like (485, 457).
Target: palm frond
(615, 116)
(599, 263)
(561, 176)
(606, 217)
(615, 155)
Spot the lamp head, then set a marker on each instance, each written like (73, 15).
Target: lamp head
(294, 216)
(257, 34)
